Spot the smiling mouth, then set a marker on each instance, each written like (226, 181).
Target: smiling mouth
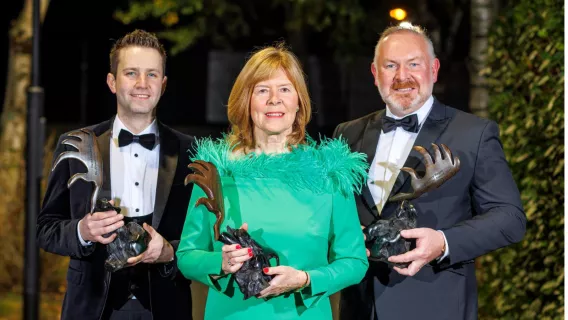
(141, 96)
(404, 90)
(274, 114)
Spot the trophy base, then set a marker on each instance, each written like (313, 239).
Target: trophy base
(131, 240)
(250, 277)
(383, 235)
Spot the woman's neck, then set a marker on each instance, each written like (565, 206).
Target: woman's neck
(271, 143)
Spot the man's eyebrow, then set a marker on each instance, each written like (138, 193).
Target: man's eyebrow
(137, 69)
(410, 59)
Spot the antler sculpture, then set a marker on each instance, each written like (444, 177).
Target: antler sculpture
(207, 178)
(438, 171)
(88, 153)
(383, 236)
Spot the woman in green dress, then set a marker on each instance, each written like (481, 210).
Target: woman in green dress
(293, 195)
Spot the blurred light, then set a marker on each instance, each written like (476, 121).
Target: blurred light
(407, 25)
(398, 14)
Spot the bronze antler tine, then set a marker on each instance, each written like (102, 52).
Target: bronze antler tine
(75, 177)
(437, 153)
(196, 169)
(447, 152)
(456, 163)
(411, 172)
(203, 164)
(71, 142)
(187, 180)
(64, 155)
(427, 158)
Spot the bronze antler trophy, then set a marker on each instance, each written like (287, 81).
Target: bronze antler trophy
(383, 236)
(250, 277)
(131, 238)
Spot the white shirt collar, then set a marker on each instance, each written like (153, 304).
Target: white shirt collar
(422, 112)
(118, 125)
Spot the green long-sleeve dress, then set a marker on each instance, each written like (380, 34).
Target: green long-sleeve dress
(299, 204)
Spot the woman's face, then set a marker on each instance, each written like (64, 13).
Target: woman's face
(273, 105)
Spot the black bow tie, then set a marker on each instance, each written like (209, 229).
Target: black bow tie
(146, 140)
(408, 123)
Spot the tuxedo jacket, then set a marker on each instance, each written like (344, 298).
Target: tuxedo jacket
(63, 207)
(479, 210)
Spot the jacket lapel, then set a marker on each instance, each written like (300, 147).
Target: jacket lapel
(433, 127)
(368, 146)
(104, 134)
(169, 147)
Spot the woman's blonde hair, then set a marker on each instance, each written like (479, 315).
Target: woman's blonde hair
(260, 67)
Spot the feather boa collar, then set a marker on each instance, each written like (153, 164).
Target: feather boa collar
(322, 168)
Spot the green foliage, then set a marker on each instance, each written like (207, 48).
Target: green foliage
(350, 26)
(526, 76)
(187, 21)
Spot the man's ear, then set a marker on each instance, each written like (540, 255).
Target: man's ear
(111, 82)
(374, 72)
(164, 83)
(435, 68)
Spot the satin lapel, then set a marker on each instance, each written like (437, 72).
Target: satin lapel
(103, 142)
(169, 147)
(369, 147)
(432, 128)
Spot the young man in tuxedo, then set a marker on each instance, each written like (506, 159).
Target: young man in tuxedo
(145, 163)
(475, 212)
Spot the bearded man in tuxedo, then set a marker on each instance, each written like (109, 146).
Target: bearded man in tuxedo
(475, 212)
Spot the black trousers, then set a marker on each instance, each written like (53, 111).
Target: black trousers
(131, 310)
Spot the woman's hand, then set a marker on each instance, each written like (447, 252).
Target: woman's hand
(234, 256)
(286, 279)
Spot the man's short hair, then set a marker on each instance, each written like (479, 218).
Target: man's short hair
(406, 27)
(136, 38)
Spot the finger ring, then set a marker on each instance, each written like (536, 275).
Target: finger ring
(229, 262)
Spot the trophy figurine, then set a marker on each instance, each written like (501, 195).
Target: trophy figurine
(131, 238)
(249, 277)
(383, 236)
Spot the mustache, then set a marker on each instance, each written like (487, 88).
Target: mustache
(404, 84)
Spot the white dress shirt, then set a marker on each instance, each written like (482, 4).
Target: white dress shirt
(392, 150)
(391, 153)
(134, 174)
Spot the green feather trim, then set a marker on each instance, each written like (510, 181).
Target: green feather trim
(325, 167)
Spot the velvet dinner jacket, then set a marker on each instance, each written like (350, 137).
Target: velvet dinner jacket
(63, 207)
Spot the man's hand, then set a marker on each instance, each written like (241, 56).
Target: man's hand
(429, 246)
(93, 226)
(159, 249)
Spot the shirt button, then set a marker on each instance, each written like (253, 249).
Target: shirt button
(136, 184)
(136, 155)
(137, 210)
